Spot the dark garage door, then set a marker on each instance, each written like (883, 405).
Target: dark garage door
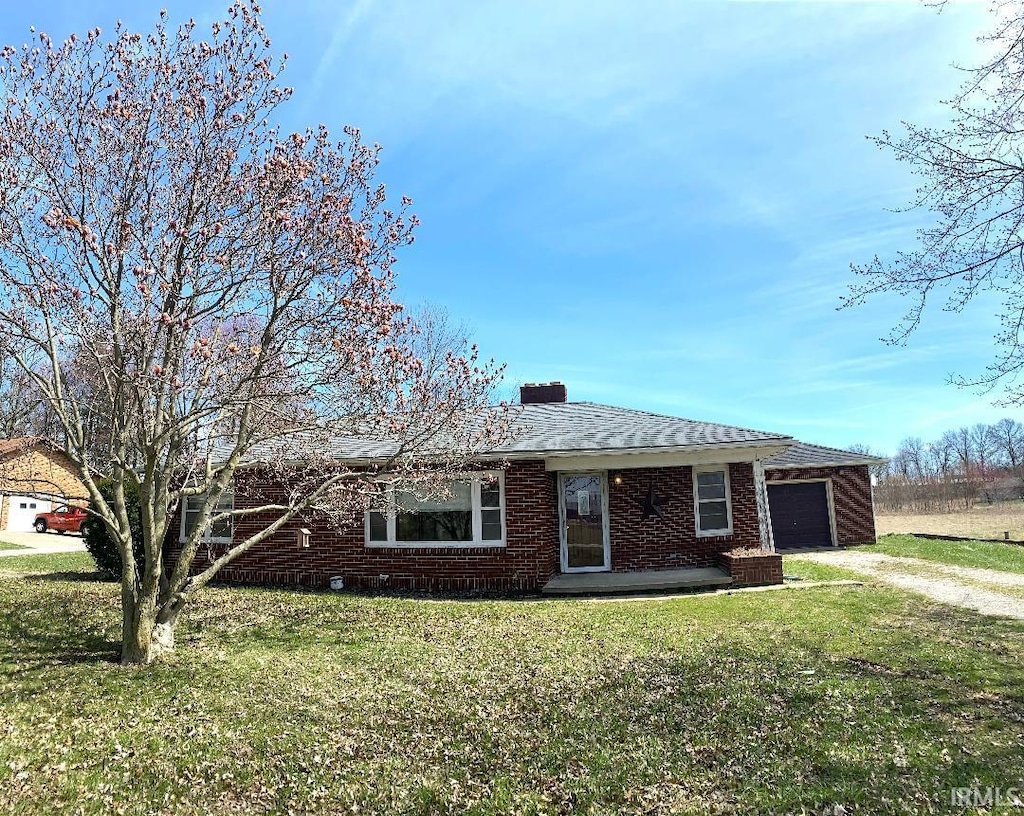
(799, 515)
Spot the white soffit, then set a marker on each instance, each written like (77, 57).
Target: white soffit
(647, 459)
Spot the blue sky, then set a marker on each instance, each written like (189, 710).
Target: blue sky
(655, 202)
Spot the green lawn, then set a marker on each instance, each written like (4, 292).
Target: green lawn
(6, 545)
(795, 567)
(983, 554)
(76, 562)
(283, 701)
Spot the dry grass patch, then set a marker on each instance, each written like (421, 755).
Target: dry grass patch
(982, 521)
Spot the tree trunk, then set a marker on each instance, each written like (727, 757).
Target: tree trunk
(147, 632)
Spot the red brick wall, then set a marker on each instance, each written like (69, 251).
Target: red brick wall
(529, 558)
(531, 554)
(639, 543)
(851, 497)
(39, 471)
(746, 571)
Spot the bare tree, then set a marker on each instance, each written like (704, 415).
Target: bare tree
(983, 445)
(878, 471)
(19, 406)
(959, 445)
(218, 293)
(1008, 440)
(984, 448)
(971, 173)
(913, 452)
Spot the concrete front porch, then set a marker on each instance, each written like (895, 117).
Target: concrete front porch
(600, 583)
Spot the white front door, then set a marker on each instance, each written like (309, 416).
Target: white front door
(583, 510)
(22, 510)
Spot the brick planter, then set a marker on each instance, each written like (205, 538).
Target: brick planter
(757, 569)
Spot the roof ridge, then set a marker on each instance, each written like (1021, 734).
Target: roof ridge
(645, 412)
(838, 450)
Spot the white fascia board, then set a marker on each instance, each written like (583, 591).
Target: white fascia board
(846, 463)
(622, 458)
(647, 457)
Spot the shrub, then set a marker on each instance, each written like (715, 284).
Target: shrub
(98, 542)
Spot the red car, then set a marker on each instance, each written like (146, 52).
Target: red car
(61, 520)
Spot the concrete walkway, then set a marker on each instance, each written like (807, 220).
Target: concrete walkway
(37, 543)
(965, 587)
(599, 583)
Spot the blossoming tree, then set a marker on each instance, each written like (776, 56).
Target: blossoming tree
(219, 294)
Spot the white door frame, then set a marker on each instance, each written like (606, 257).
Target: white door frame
(828, 498)
(605, 532)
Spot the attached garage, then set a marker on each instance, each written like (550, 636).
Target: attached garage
(22, 511)
(801, 514)
(820, 497)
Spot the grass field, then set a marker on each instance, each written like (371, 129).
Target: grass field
(284, 701)
(981, 554)
(4, 545)
(982, 521)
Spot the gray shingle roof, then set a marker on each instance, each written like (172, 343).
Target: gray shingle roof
(803, 455)
(565, 427)
(561, 428)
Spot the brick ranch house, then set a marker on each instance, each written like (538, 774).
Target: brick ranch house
(35, 477)
(590, 498)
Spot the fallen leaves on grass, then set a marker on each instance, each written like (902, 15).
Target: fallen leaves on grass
(305, 702)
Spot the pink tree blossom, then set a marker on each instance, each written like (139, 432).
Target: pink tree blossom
(219, 293)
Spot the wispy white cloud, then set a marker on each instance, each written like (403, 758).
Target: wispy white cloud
(658, 202)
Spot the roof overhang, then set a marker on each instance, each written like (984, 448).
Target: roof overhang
(610, 459)
(630, 459)
(866, 461)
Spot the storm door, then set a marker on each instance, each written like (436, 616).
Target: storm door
(584, 515)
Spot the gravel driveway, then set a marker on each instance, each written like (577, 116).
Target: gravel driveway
(970, 588)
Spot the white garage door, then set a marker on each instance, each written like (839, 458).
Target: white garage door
(21, 511)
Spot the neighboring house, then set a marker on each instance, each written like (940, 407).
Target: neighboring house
(585, 488)
(35, 477)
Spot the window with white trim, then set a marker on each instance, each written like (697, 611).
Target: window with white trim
(471, 515)
(220, 531)
(712, 504)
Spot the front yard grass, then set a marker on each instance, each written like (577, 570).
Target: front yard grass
(980, 554)
(284, 701)
(6, 545)
(802, 569)
(78, 563)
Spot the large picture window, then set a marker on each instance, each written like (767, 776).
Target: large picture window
(218, 532)
(471, 515)
(712, 505)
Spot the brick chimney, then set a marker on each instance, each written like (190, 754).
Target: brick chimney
(532, 393)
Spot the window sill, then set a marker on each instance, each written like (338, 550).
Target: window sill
(714, 533)
(434, 545)
(210, 540)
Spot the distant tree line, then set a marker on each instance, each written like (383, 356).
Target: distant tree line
(962, 467)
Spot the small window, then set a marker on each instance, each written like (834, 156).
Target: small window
(32, 505)
(711, 500)
(219, 531)
(490, 509)
(23, 506)
(470, 515)
(378, 526)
